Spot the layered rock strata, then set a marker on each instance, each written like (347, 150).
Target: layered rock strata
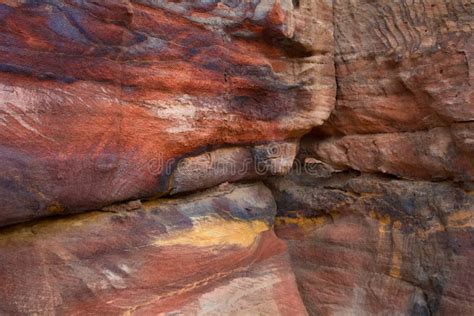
(371, 245)
(98, 98)
(440, 153)
(144, 261)
(378, 212)
(130, 111)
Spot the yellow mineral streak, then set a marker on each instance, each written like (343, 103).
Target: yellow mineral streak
(397, 257)
(396, 265)
(389, 239)
(211, 232)
(302, 222)
(383, 243)
(384, 220)
(306, 225)
(461, 219)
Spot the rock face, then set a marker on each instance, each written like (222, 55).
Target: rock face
(367, 244)
(134, 134)
(402, 65)
(379, 212)
(232, 164)
(437, 154)
(404, 86)
(126, 262)
(98, 98)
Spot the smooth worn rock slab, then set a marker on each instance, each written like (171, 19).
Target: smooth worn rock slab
(232, 164)
(210, 253)
(372, 245)
(97, 99)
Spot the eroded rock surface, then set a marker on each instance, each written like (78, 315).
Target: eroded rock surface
(96, 98)
(232, 164)
(379, 212)
(437, 154)
(144, 262)
(109, 108)
(370, 245)
(402, 65)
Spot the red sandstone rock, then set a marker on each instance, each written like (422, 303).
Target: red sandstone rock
(109, 101)
(436, 154)
(371, 245)
(96, 98)
(402, 66)
(213, 253)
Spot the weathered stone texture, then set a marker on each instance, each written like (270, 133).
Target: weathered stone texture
(437, 154)
(145, 262)
(382, 221)
(126, 110)
(402, 65)
(96, 98)
(232, 164)
(375, 245)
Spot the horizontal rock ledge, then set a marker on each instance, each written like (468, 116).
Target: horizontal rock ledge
(436, 154)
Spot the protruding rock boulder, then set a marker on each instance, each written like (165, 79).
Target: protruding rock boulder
(232, 164)
(98, 97)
